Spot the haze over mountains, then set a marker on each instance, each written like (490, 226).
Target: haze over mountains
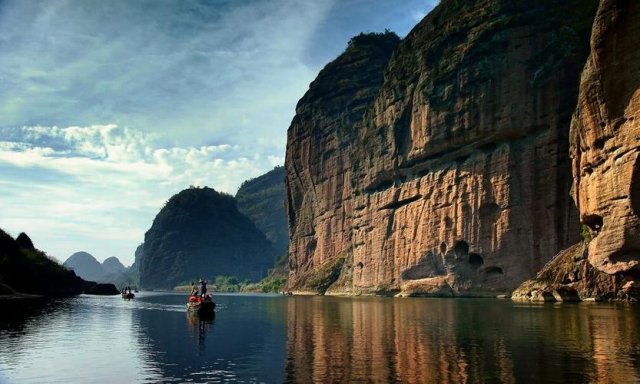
(110, 270)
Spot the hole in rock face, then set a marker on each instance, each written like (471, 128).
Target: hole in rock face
(494, 271)
(461, 248)
(475, 260)
(443, 248)
(360, 265)
(635, 187)
(594, 222)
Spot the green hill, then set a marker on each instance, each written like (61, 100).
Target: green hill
(201, 233)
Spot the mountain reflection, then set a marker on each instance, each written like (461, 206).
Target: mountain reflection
(242, 343)
(459, 341)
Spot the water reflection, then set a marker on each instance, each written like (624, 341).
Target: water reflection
(242, 343)
(318, 339)
(460, 341)
(199, 327)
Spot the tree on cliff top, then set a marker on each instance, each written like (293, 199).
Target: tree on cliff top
(387, 38)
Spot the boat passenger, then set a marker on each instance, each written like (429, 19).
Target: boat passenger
(203, 288)
(194, 289)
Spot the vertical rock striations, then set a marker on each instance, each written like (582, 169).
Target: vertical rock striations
(605, 139)
(320, 153)
(605, 153)
(456, 178)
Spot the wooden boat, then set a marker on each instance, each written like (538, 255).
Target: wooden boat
(203, 306)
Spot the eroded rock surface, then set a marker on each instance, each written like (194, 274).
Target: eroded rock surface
(458, 172)
(605, 152)
(605, 140)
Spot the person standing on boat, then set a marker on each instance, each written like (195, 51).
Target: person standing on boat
(194, 289)
(203, 288)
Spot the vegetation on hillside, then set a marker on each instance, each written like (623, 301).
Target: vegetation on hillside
(200, 232)
(262, 200)
(28, 270)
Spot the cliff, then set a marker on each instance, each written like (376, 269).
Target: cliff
(262, 200)
(447, 172)
(200, 233)
(605, 154)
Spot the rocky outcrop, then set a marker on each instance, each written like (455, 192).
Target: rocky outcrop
(452, 175)
(262, 200)
(200, 233)
(605, 153)
(605, 140)
(24, 242)
(570, 277)
(101, 289)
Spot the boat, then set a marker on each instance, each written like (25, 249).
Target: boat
(128, 295)
(203, 306)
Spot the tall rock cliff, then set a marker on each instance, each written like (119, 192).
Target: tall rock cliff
(605, 153)
(201, 234)
(262, 200)
(320, 146)
(454, 176)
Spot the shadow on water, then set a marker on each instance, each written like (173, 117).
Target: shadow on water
(15, 315)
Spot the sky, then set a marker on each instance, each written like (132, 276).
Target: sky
(108, 108)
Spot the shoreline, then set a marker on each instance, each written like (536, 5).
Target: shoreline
(18, 296)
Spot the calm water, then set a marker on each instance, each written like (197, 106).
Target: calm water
(273, 339)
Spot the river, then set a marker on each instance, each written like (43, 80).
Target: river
(274, 339)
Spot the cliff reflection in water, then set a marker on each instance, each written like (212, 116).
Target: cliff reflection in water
(458, 341)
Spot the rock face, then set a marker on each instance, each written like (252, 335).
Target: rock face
(262, 200)
(605, 140)
(570, 277)
(85, 266)
(201, 234)
(450, 172)
(605, 153)
(319, 153)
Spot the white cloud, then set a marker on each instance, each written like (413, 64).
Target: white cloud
(209, 89)
(98, 188)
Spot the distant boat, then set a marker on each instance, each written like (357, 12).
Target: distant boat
(128, 296)
(202, 306)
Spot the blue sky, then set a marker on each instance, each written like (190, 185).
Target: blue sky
(108, 108)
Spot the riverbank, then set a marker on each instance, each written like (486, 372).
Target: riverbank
(18, 296)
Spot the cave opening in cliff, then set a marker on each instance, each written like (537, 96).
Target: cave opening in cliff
(443, 248)
(461, 249)
(594, 222)
(475, 260)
